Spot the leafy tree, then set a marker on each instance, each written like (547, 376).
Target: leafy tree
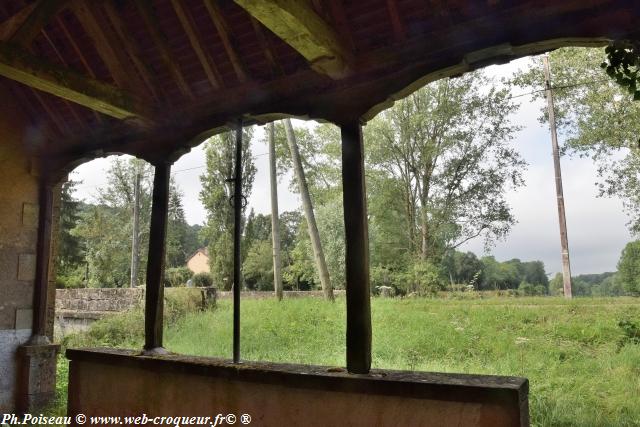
(463, 267)
(629, 267)
(447, 147)
(178, 248)
(71, 250)
(258, 266)
(596, 117)
(216, 193)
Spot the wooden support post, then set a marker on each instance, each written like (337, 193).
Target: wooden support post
(154, 302)
(43, 253)
(237, 236)
(357, 250)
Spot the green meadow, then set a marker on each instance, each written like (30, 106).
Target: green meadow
(582, 357)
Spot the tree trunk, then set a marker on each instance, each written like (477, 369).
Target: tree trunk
(318, 254)
(135, 244)
(275, 220)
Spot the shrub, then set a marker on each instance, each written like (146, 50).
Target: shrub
(423, 278)
(202, 280)
(630, 331)
(177, 276)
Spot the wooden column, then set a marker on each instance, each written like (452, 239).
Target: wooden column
(357, 250)
(43, 253)
(154, 303)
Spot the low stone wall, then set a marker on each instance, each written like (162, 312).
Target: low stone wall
(286, 294)
(77, 309)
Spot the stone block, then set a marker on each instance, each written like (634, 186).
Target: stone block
(24, 318)
(30, 215)
(26, 267)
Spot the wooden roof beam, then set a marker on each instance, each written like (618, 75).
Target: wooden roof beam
(30, 24)
(108, 47)
(145, 8)
(225, 35)
(296, 23)
(19, 65)
(189, 26)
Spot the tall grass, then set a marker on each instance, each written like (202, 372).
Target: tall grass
(583, 369)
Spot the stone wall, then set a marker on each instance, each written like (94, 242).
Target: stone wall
(18, 237)
(286, 294)
(77, 309)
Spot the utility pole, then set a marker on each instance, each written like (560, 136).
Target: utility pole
(275, 221)
(564, 240)
(135, 244)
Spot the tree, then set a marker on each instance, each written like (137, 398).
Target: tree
(629, 267)
(447, 148)
(217, 191)
(275, 222)
(596, 117)
(258, 267)
(314, 235)
(178, 247)
(70, 247)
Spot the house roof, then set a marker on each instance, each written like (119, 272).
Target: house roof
(153, 78)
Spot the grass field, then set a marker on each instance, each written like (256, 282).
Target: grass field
(583, 367)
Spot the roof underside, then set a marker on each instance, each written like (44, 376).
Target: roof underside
(154, 77)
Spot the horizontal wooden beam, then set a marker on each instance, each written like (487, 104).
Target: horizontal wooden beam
(21, 66)
(299, 25)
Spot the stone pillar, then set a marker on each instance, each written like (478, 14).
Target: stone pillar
(358, 291)
(37, 358)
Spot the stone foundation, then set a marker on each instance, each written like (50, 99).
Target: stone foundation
(37, 374)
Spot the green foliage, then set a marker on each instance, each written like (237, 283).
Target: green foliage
(623, 64)
(530, 290)
(258, 266)
(443, 160)
(71, 250)
(202, 280)
(596, 117)
(216, 193)
(629, 267)
(176, 276)
(631, 332)
(422, 278)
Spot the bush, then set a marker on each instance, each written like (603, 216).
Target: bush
(202, 280)
(422, 278)
(177, 276)
(529, 289)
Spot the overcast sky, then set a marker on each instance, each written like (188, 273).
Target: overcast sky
(596, 226)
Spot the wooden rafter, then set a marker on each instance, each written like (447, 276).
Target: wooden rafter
(396, 22)
(21, 66)
(336, 10)
(34, 22)
(108, 47)
(160, 41)
(11, 25)
(276, 68)
(210, 69)
(296, 23)
(72, 110)
(226, 36)
(131, 46)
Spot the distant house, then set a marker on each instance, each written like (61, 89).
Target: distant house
(199, 261)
